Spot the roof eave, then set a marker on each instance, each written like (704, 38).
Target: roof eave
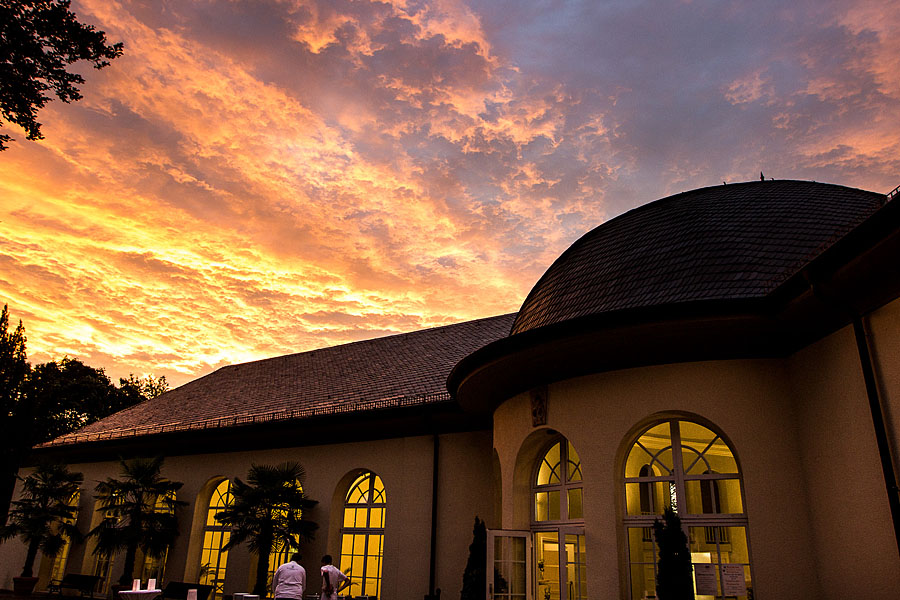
(856, 275)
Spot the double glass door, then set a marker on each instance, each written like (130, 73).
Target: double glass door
(540, 565)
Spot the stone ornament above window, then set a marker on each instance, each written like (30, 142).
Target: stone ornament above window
(539, 406)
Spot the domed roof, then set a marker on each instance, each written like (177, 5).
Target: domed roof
(729, 242)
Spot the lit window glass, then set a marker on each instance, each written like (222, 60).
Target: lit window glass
(362, 535)
(62, 557)
(557, 490)
(689, 467)
(213, 558)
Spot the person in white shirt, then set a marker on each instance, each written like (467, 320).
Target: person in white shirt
(333, 581)
(289, 580)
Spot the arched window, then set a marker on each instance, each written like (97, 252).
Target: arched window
(62, 557)
(102, 564)
(154, 567)
(213, 559)
(558, 485)
(281, 553)
(362, 534)
(690, 468)
(557, 521)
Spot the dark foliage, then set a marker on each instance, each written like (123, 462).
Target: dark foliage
(268, 513)
(44, 516)
(70, 395)
(674, 579)
(14, 370)
(475, 575)
(138, 512)
(39, 40)
(51, 399)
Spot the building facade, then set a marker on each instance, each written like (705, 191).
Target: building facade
(730, 352)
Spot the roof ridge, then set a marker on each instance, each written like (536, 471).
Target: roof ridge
(365, 341)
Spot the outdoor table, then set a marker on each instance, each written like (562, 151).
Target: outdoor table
(139, 594)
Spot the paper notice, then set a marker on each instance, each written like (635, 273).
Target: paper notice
(705, 579)
(733, 583)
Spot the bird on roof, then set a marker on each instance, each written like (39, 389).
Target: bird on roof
(761, 176)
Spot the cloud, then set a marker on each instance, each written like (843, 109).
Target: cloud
(253, 179)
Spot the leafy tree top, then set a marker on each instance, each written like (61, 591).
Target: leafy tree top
(13, 364)
(146, 388)
(267, 512)
(39, 39)
(70, 395)
(269, 507)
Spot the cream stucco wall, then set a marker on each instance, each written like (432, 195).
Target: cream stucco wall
(749, 401)
(819, 522)
(405, 466)
(852, 534)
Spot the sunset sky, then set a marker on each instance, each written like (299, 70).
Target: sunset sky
(254, 179)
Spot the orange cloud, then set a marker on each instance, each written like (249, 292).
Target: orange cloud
(253, 179)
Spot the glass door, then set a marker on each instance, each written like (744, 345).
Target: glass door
(560, 564)
(508, 565)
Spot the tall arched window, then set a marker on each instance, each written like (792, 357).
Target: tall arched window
(690, 468)
(62, 557)
(558, 523)
(102, 563)
(280, 553)
(154, 567)
(362, 534)
(213, 559)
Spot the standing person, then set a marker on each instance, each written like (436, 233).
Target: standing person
(333, 581)
(289, 580)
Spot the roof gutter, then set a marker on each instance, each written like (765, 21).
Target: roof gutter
(432, 562)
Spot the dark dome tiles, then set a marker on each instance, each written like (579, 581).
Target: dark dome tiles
(728, 242)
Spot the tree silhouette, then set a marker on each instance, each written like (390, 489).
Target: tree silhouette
(139, 512)
(268, 513)
(43, 517)
(673, 575)
(14, 370)
(475, 574)
(39, 39)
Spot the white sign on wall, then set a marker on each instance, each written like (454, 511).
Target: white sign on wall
(705, 579)
(733, 583)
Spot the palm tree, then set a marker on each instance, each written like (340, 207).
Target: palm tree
(267, 512)
(139, 512)
(44, 517)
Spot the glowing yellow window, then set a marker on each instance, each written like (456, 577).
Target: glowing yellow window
(362, 534)
(213, 559)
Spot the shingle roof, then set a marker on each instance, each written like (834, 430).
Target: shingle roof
(736, 241)
(400, 370)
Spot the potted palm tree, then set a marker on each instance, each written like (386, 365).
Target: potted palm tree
(43, 517)
(139, 512)
(268, 512)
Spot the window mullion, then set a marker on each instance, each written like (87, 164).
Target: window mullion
(564, 480)
(678, 468)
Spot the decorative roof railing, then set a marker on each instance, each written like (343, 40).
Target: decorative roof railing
(249, 419)
(893, 193)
